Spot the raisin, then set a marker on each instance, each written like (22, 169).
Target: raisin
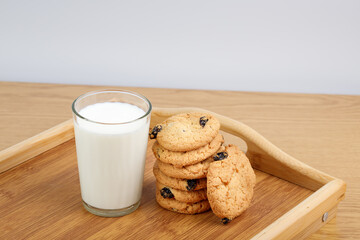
(166, 193)
(155, 131)
(225, 221)
(191, 184)
(203, 121)
(220, 156)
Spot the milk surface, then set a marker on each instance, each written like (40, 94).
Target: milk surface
(111, 157)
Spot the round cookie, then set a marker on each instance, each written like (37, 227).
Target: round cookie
(230, 184)
(178, 183)
(180, 159)
(186, 131)
(182, 196)
(195, 171)
(181, 207)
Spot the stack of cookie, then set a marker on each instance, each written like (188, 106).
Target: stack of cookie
(195, 172)
(185, 147)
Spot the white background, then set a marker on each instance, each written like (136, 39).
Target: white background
(306, 46)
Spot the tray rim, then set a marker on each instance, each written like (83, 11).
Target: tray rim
(308, 214)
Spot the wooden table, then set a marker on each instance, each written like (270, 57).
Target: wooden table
(323, 131)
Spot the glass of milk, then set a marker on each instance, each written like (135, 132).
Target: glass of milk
(111, 135)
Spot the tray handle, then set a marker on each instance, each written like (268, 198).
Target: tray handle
(263, 155)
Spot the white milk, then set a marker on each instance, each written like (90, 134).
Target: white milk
(111, 157)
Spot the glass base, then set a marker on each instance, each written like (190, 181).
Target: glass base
(111, 212)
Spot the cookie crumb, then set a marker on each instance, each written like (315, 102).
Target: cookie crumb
(225, 221)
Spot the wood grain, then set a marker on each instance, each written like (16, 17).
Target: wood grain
(320, 130)
(329, 190)
(35, 145)
(41, 199)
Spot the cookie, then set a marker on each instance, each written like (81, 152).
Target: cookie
(230, 183)
(180, 159)
(194, 171)
(181, 207)
(178, 183)
(182, 196)
(186, 132)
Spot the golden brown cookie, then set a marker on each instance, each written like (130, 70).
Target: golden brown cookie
(182, 207)
(181, 196)
(178, 183)
(180, 159)
(195, 171)
(186, 132)
(230, 183)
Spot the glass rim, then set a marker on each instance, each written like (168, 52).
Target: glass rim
(115, 91)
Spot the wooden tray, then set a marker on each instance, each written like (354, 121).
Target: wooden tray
(40, 198)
